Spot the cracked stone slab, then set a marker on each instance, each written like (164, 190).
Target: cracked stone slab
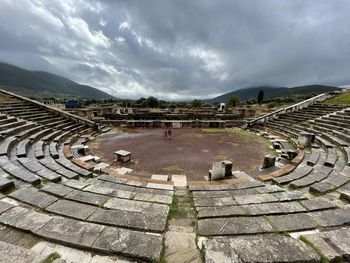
(136, 206)
(57, 189)
(86, 197)
(220, 211)
(255, 199)
(30, 221)
(33, 197)
(4, 206)
(14, 254)
(273, 208)
(259, 249)
(318, 203)
(327, 250)
(334, 217)
(292, 222)
(76, 184)
(289, 196)
(130, 219)
(214, 201)
(71, 209)
(99, 189)
(233, 226)
(70, 231)
(163, 199)
(130, 243)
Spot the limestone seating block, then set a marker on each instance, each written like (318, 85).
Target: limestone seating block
(334, 217)
(33, 197)
(255, 199)
(214, 201)
(253, 249)
(5, 184)
(292, 222)
(220, 211)
(273, 208)
(86, 197)
(12, 253)
(334, 244)
(56, 189)
(129, 243)
(72, 209)
(318, 203)
(233, 226)
(4, 206)
(345, 195)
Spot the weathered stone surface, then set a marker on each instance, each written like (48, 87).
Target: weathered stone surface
(255, 199)
(212, 193)
(5, 184)
(220, 211)
(233, 226)
(71, 231)
(33, 197)
(99, 189)
(219, 250)
(14, 254)
(290, 196)
(130, 243)
(269, 161)
(71, 209)
(163, 199)
(268, 189)
(136, 206)
(339, 239)
(319, 203)
(334, 217)
(292, 222)
(259, 249)
(273, 208)
(130, 219)
(7, 216)
(4, 206)
(29, 221)
(181, 248)
(321, 188)
(57, 189)
(86, 197)
(326, 249)
(345, 195)
(214, 201)
(76, 184)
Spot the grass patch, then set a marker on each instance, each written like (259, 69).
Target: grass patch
(50, 258)
(221, 157)
(174, 169)
(174, 209)
(324, 259)
(341, 99)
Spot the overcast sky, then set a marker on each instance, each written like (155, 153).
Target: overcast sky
(180, 49)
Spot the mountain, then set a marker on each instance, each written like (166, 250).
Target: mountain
(271, 92)
(43, 84)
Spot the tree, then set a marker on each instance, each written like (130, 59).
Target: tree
(196, 103)
(260, 97)
(152, 102)
(233, 101)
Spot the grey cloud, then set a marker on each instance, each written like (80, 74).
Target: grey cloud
(180, 49)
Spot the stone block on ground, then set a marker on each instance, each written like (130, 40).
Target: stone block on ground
(33, 197)
(71, 209)
(259, 249)
(13, 254)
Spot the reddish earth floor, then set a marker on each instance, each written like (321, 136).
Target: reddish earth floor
(189, 151)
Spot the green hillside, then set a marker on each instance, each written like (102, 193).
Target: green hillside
(273, 92)
(43, 84)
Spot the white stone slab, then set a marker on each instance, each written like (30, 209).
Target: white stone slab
(160, 186)
(122, 153)
(87, 158)
(179, 179)
(160, 177)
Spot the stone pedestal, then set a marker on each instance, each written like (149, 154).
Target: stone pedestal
(269, 161)
(217, 172)
(228, 168)
(306, 138)
(292, 154)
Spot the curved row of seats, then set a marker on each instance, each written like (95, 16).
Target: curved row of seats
(104, 214)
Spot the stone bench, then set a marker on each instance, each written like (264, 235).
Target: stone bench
(53, 150)
(54, 166)
(123, 156)
(315, 155)
(6, 145)
(298, 173)
(11, 125)
(318, 174)
(5, 184)
(39, 149)
(71, 166)
(19, 172)
(34, 166)
(331, 157)
(88, 236)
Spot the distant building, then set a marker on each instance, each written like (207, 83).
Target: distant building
(72, 104)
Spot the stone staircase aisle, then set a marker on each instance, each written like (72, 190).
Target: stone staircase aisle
(180, 238)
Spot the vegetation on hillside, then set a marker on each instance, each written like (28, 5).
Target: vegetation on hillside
(340, 99)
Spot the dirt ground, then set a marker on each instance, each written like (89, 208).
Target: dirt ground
(189, 151)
